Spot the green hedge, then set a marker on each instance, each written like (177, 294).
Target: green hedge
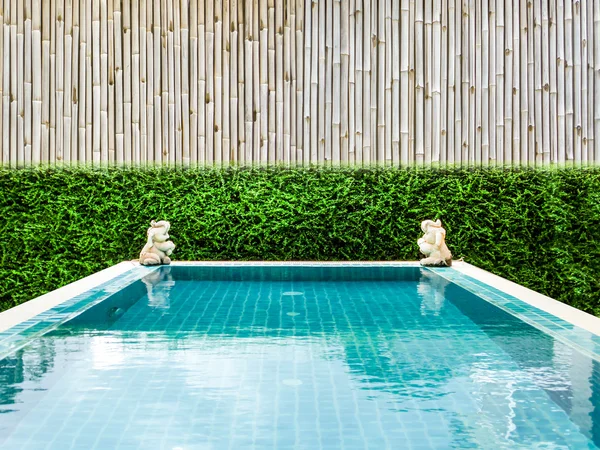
(538, 228)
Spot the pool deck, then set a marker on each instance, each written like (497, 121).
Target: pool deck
(30, 309)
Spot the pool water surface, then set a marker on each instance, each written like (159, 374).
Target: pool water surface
(297, 357)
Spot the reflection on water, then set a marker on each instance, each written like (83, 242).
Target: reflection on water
(159, 284)
(431, 289)
(217, 364)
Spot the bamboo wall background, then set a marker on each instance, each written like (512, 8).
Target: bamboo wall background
(395, 82)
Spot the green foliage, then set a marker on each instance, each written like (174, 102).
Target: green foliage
(537, 228)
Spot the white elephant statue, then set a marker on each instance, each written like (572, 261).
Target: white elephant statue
(433, 244)
(158, 248)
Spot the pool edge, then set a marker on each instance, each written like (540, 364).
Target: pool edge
(547, 304)
(27, 310)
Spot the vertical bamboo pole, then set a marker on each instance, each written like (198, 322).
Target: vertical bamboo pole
(396, 90)
(358, 82)
(428, 57)
(307, 144)
(267, 55)
(210, 82)
(248, 79)
(255, 85)
(516, 90)
(546, 125)
(412, 83)
(568, 86)
(119, 127)
(436, 75)
(95, 124)
(377, 153)
(37, 57)
(157, 55)
(531, 142)
(352, 82)
(483, 66)
(270, 118)
(56, 117)
(584, 79)
(590, 44)
(328, 34)
(164, 65)
(404, 82)
(524, 117)
(184, 112)
(314, 71)
(492, 84)
(466, 84)
(444, 86)
(4, 12)
(111, 79)
(136, 82)
(508, 86)
(500, 75)
(193, 78)
(337, 61)
(596, 78)
(73, 89)
(577, 86)
(89, 86)
(175, 100)
(218, 82)
(149, 99)
(27, 82)
(300, 144)
(172, 71)
(388, 81)
(241, 90)
(145, 154)
(344, 81)
(419, 85)
(20, 72)
(458, 83)
(6, 79)
(365, 92)
(473, 150)
(104, 151)
(153, 91)
(227, 148)
(279, 63)
(290, 45)
(203, 99)
(321, 80)
(233, 89)
(553, 65)
(450, 133)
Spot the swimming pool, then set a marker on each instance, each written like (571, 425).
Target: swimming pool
(309, 356)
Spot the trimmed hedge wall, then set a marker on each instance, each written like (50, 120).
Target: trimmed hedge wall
(538, 228)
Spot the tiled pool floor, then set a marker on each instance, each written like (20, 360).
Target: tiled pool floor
(282, 361)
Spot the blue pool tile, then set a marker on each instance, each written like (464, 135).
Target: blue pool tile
(368, 359)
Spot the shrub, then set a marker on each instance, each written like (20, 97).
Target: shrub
(535, 227)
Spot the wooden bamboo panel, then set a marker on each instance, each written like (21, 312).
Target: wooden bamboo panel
(299, 82)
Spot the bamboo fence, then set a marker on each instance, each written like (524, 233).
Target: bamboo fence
(298, 82)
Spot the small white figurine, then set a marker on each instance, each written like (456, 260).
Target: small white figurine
(433, 244)
(158, 248)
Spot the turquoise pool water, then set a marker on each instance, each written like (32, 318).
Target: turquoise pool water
(295, 357)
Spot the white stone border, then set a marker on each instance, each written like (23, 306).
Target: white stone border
(561, 310)
(299, 263)
(27, 310)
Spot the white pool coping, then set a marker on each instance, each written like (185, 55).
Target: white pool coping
(32, 308)
(561, 310)
(28, 310)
